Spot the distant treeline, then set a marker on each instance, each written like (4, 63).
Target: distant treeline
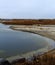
(29, 21)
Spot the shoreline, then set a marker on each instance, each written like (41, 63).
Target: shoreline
(40, 31)
(26, 55)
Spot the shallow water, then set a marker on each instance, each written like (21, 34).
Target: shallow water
(14, 43)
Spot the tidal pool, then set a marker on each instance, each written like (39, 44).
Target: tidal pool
(14, 43)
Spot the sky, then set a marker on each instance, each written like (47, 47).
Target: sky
(27, 9)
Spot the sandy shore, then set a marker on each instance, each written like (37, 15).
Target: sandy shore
(44, 30)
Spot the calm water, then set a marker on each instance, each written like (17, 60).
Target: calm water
(16, 42)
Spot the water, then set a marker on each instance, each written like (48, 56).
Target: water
(14, 43)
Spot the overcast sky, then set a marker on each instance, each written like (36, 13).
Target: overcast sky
(33, 9)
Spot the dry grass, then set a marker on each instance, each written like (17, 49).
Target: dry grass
(46, 59)
(30, 21)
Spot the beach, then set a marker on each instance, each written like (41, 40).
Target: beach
(44, 30)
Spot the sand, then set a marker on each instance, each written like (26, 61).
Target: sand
(44, 30)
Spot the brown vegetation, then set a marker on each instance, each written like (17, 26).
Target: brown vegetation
(45, 59)
(30, 21)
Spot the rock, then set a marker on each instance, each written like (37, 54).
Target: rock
(22, 60)
(4, 62)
